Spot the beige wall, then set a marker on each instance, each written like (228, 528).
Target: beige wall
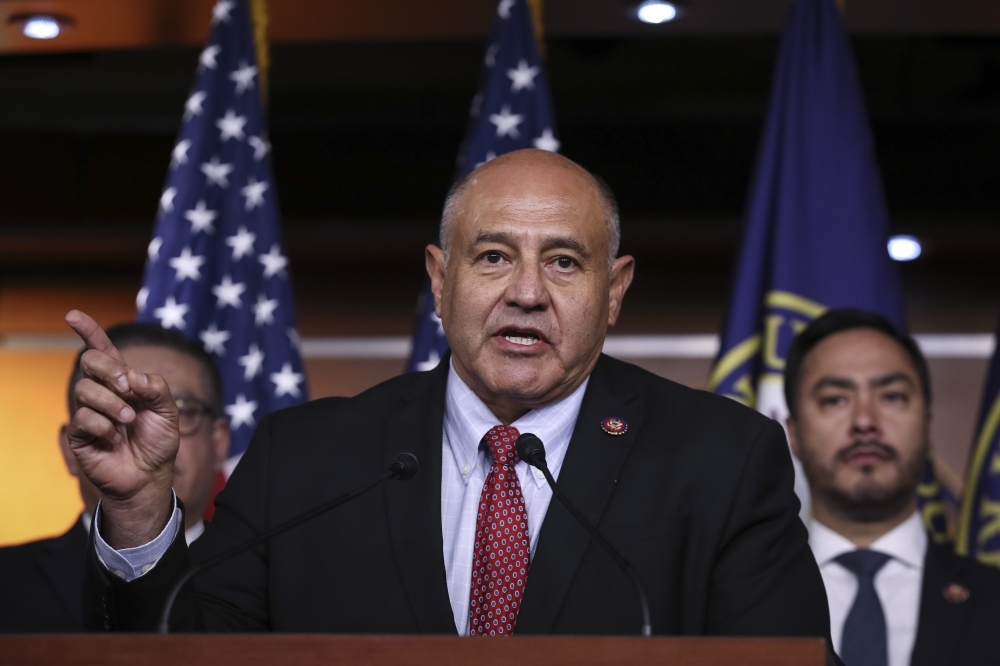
(38, 498)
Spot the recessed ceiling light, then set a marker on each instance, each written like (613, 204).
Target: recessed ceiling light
(904, 248)
(657, 11)
(41, 27)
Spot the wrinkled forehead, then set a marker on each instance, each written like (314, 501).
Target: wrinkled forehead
(566, 201)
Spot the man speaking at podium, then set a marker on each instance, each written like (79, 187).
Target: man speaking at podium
(693, 489)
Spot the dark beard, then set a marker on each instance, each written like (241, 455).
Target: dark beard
(870, 504)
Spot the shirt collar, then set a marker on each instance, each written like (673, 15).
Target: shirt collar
(467, 419)
(194, 532)
(906, 543)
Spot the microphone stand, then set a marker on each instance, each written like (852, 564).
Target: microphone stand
(404, 467)
(535, 456)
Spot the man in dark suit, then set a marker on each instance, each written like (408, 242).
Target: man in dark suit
(42, 581)
(858, 393)
(695, 490)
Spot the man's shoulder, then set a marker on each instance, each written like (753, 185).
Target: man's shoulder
(683, 404)
(43, 579)
(15, 558)
(367, 404)
(959, 609)
(980, 579)
(11, 557)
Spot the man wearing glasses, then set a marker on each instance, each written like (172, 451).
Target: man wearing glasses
(46, 577)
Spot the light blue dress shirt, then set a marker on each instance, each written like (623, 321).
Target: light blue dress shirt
(464, 468)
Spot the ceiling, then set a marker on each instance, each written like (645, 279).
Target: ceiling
(369, 100)
(672, 124)
(129, 24)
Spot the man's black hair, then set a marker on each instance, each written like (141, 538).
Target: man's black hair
(143, 334)
(838, 321)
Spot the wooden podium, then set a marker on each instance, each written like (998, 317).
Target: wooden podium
(316, 650)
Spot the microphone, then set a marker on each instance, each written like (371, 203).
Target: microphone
(404, 467)
(531, 450)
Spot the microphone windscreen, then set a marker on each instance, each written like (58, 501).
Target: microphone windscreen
(530, 449)
(407, 464)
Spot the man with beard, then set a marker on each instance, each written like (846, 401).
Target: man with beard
(859, 398)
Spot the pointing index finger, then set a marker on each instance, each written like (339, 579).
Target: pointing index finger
(92, 334)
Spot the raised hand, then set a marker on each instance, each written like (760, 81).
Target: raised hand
(125, 436)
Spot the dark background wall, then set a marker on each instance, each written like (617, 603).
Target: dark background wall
(366, 117)
(365, 135)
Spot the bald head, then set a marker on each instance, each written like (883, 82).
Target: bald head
(532, 283)
(524, 170)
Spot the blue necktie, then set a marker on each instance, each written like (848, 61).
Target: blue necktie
(863, 642)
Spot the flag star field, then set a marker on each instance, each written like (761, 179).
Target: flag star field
(215, 268)
(511, 111)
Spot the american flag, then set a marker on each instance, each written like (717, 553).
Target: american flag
(215, 268)
(511, 111)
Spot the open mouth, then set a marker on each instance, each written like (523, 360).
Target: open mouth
(522, 337)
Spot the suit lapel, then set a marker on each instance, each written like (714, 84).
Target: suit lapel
(62, 562)
(414, 506)
(940, 628)
(587, 477)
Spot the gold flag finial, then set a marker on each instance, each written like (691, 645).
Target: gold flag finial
(536, 21)
(259, 19)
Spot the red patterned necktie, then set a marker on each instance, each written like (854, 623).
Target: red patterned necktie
(501, 556)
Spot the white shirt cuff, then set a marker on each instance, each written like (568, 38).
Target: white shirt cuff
(131, 563)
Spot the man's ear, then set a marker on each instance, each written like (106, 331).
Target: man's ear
(72, 464)
(220, 442)
(793, 437)
(434, 263)
(621, 277)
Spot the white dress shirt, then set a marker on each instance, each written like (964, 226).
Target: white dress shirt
(464, 468)
(898, 583)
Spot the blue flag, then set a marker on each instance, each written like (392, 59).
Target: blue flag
(511, 111)
(816, 227)
(215, 268)
(979, 523)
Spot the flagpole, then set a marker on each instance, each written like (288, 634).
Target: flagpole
(511, 111)
(537, 8)
(260, 20)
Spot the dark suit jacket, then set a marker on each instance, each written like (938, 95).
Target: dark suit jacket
(957, 632)
(697, 494)
(41, 584)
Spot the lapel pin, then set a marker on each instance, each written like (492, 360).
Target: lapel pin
(956, 593)
(614, 426)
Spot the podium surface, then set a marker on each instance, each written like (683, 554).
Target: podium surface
(369, 650)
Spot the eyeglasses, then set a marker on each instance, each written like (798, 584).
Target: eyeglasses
(191, 413)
